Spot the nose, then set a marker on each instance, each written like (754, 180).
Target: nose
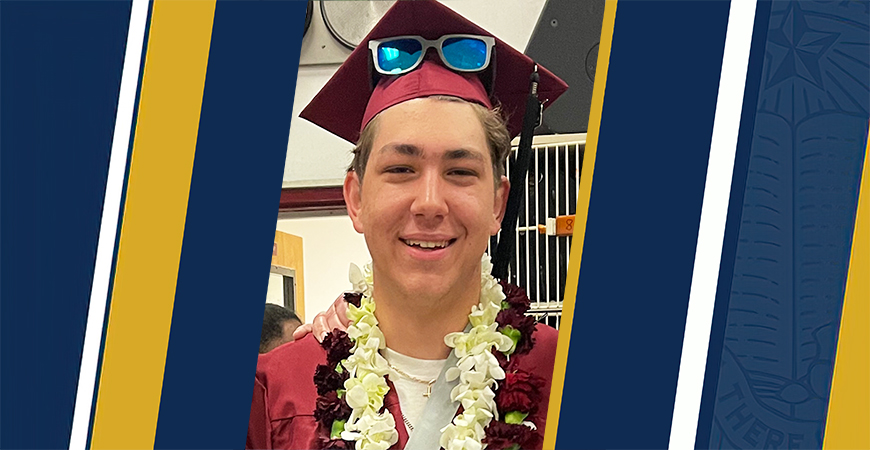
(430, 202)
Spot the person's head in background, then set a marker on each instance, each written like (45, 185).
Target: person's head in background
(279, 323)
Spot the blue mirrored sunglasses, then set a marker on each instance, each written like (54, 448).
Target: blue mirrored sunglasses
(460, 52)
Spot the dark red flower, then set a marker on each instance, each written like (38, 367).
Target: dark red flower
(327, 443)
(326, 379)
(354, 298)
(330, 408)
(337, 345)
(519, 391)
(500, 435)
(515, 296)
(524, 324)
(503, 360)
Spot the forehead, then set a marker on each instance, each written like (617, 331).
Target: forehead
(432, 126)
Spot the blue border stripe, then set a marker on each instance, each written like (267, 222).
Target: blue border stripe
(61, 76)
(641, 234)
(732, 224)
(230, 227)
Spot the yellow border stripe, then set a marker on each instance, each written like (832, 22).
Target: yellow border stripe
(149, 249)
(580, 230)
(848, 419)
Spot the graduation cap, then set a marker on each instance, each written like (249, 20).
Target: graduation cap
(357, 93)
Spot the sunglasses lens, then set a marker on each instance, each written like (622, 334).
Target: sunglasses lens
(465, 53)
(399, 55)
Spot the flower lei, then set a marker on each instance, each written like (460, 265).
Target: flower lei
(495, 397)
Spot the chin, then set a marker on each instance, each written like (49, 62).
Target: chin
(440, 284)
(427, 284)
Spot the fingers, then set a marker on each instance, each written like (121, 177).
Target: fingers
(335, 317)
(334, 321)
(320, 326)
(338, 302)
(301, 331)
(338, 314)
(341, 312)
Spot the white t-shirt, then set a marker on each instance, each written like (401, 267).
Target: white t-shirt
(411, 392)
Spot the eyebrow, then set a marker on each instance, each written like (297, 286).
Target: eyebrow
(402, 149)
(413, 150)
(463, 154)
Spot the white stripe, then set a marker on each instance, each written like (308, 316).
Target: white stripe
(711, 232)
(109, 225)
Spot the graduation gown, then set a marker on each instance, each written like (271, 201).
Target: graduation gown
(282, 410)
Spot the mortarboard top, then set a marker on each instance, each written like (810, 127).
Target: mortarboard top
(347, 102)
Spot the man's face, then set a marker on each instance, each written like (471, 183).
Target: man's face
(427, 204)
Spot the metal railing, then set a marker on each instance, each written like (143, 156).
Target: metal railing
(540, 265)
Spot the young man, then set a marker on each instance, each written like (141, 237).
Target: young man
(438, 353)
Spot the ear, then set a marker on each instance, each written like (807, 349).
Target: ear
(353, 199)
(500, 204)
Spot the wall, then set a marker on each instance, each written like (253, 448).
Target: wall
(329, 245)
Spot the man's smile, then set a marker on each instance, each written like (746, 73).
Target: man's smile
(427, 244)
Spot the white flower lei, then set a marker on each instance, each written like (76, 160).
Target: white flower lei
(477, 369)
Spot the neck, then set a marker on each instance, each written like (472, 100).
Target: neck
(415, 324)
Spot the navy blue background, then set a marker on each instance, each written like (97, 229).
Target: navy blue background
(638, 255)
(790, 259)
(61, 77)
(61, 65)
(230, 227)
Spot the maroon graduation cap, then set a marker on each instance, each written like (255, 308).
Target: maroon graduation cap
(348, 100)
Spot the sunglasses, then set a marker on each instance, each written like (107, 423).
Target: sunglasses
(460, 52)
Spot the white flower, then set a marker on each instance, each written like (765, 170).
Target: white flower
(483, 314)
(367, 391)
(481, 338)
(373, 431)
(356, 279)
(459, 438)
(477, 369)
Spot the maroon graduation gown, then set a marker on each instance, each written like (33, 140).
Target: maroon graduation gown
(282, 410)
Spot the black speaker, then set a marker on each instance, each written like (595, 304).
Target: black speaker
(565, 41)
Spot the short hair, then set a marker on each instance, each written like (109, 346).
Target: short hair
(274, 317)
(494, 127)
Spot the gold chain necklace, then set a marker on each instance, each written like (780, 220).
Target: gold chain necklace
(413, 378)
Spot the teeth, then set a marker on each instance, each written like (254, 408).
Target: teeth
(427, 244)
